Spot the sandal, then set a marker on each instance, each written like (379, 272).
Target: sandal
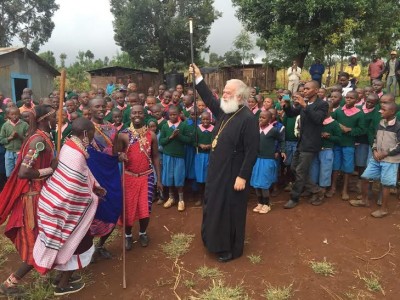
(330, 194)
(379, 213)
(358, 203)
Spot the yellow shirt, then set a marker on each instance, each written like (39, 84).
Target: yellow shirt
(23, 108)
(354, 71)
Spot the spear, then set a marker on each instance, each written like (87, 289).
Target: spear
(60, 110)
(193, 82)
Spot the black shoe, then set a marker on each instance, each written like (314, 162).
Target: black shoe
(70, 289)
(128, 243)
(73, 279)
(290, 204)
(103, 252)
(10, 292)
(144, 240)
(225, 257)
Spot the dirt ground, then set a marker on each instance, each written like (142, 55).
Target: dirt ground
(286, 241)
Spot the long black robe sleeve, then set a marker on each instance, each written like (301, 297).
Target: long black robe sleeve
(209, 99)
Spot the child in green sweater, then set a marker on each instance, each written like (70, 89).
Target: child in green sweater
(173, 137)
(12, 134)
(321, 167)
(351, 120)
(204, 139)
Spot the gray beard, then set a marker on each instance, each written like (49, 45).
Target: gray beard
(230, 106)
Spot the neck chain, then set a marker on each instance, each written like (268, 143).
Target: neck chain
(140, 135)
(77, 141)
(222, 127)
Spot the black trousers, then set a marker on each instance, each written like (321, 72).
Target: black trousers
(301, 164)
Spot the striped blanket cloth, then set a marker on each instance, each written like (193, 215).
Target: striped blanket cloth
(66, 209)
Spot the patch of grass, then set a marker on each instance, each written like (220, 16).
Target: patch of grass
(6, 248)
(371, 282)
(206, 272)
(218, 291)
(358, 295)
(178, 246)
(278, 293)
(323, 267)
(163, 282)
(254, 259)
(189, 283)
(40, 289)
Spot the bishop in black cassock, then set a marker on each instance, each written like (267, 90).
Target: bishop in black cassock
(234, 154)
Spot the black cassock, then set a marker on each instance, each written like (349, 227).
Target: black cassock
(224, 211)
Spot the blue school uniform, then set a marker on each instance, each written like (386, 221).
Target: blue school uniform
(204, 136)
(265, 169)
(190, 152)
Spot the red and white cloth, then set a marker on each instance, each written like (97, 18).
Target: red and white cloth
(66, 208)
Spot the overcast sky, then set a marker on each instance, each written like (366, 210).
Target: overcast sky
(87, 24)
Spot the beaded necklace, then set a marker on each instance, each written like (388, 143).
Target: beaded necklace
(140, 135)
(77, 141)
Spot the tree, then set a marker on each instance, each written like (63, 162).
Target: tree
(154, 32)
(48, 56)
(63, 57)
(122, 60)
(244, 45)
(233, 58)
(293, 28)
(29, 20)
(215, 60)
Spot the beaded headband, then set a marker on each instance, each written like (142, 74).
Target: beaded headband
(46, 115)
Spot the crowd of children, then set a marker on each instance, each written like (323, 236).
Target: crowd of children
(360, 139)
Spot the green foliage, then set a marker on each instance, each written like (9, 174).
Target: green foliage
(49, 57)
(244, 45)
(323, 267)
(278, 293)
(178, 246)
(29, 20)
(207, 272)
(233, 57)
(291, 29)
(220, 291)
(153, 32)
(63, 57)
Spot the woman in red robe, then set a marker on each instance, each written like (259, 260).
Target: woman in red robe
(19, 198)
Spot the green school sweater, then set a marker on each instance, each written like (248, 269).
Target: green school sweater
(176, 146)
(335, 134)
(2, 121)
(161, 124)
(7, 129)
(108, 117)
(371, 121)
(65, 134)
(289, 128)
(268, 142)
(355, 122)
(204, 138)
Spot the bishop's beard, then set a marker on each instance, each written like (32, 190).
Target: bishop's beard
(230, 105)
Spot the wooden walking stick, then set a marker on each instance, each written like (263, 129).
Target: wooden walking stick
(60, 110)
(123, 228)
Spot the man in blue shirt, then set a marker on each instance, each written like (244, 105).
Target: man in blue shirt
(317, 70)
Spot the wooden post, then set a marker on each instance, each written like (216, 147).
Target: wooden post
(60, 109)
(123, 228)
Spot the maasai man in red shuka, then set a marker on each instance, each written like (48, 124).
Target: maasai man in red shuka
(18, 200)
